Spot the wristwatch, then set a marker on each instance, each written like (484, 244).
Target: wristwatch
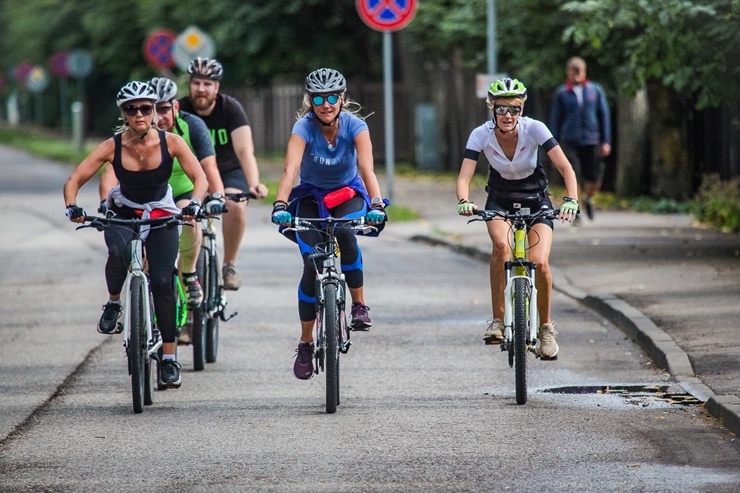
(376, 200)
(217, 196)
(195, 200)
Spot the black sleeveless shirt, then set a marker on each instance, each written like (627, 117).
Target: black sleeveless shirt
(147, 185)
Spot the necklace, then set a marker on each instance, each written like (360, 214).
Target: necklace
(334, 136)
(141, 156)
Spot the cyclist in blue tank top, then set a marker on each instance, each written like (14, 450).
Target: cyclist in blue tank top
(330, 146)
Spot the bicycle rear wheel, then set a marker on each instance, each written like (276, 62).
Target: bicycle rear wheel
(520, 339)
(137, 344)
(198, 329)
(214, 293)
(331, 327)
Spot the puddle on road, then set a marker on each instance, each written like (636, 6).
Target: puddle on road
(637, 395)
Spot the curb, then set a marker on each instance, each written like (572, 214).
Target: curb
(659, 346)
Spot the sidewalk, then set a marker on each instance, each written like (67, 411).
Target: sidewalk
(670, 286)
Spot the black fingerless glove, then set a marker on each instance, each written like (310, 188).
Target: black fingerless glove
(73, 211)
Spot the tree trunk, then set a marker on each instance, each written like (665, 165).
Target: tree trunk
(633, 166)
(670, 169)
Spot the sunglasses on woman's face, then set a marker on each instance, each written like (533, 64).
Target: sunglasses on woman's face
(131, 110)
(319, 100)
(502, 110)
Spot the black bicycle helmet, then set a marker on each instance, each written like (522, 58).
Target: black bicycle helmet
(207, 68)
(165, 88)
(325, 80)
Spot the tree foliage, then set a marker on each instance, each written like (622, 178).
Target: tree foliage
(688, 46)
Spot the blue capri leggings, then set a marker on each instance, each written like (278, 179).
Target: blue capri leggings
(351, 259)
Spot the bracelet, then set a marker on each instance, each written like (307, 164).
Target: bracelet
(462, 201)
(569, 199)
(280, 202)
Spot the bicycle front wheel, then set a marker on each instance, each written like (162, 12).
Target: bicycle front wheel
(198, 329)
(331, 327)
(520, 339)
(137, 344)
(214, 292)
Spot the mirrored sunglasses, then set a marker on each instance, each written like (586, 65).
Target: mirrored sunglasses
(502, 110)
(319, 100)
(131, 110)
(164, 109)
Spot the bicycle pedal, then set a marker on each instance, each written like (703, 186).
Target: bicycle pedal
(553, 358)
(359, 329)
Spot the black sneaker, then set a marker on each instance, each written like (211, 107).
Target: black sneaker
(169, 373)
(109, 319)
(588, 208)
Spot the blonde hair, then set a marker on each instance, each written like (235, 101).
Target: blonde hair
(350, 106)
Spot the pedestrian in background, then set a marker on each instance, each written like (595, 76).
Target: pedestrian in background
(580, 122)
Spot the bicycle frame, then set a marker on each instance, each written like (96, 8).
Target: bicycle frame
(519, 267)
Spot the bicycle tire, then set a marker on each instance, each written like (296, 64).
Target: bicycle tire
(137, 345)
(198, 328)
(214, 293)
(520, 339)
(331, 328)
(148, 401)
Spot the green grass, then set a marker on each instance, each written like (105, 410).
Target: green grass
(43, 144)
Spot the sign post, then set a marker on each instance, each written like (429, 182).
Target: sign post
(387, 16)
(79, 66)
(58, 66)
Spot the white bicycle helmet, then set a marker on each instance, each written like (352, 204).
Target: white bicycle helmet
(507, 88)
(165, 88)
(207, 68)
(325, 80)
(135, 90)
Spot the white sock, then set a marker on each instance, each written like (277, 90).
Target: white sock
(117, 302)
(168, 356)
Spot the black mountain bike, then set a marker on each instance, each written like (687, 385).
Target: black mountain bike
(331, 331)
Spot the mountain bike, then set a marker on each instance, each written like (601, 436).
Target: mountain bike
(331, 331)
(141, 338)
(205, 319)
(521, 318)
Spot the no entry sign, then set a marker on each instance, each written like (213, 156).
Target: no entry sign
(386, 15)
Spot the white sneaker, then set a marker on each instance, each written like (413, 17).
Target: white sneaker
(232, 279)
(495, 332)
(548, 347)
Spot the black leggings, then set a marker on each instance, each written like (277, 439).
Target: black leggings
(351, 257)
(161, 249)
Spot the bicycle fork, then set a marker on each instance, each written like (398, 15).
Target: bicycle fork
(523, 269)
(333, 277)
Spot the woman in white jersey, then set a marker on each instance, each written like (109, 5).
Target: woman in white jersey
(511, 144)
(330, 146)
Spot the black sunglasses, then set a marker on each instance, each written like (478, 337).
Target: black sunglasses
(319, 100)
(131, 110)
(163, 110)
(502, 110)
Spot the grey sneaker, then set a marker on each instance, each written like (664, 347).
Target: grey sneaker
(303, 366)
(548, 347)
(232, 279)
(495, 332)
(194, 290)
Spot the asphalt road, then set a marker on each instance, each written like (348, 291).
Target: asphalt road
(425, 405)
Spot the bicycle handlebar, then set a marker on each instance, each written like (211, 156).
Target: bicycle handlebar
(102, 222)
(308, 223)
(240, 197)
(488, 215)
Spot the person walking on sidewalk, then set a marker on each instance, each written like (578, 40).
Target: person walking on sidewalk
(330, 146)
(232, 136)
(141, 156)
(517, 178)
(580, 121)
